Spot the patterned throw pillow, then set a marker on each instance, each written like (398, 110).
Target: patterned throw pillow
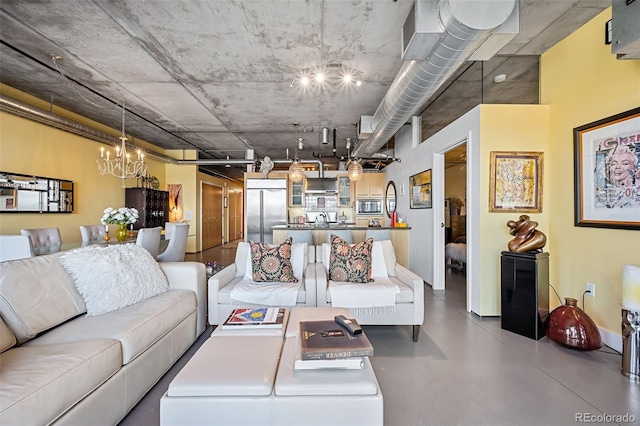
(272, 264)
(350, 264)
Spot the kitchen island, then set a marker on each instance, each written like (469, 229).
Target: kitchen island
(399, 236)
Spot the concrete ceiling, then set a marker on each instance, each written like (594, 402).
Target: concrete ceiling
(215, 75)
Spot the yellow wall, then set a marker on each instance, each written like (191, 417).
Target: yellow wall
(28, 147)
(507, 128)
(583, 82)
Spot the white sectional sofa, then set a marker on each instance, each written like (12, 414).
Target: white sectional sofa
(60, 366)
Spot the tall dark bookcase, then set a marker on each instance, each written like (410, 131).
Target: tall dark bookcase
(524, 282)
(152, 204)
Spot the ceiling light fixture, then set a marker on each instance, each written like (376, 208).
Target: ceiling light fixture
(331, 74)
(325, 135)
(499, 78)
(355, 170)
(227, 165)
(121, 165)
(296, 171)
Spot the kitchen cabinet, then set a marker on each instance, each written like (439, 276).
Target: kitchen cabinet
(345, 191)
(370, 185)
(152, 205)
(296, 194)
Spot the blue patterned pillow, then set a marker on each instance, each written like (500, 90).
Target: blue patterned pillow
(272, 264)
(350, 263)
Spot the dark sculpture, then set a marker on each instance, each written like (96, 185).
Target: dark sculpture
(527, 237)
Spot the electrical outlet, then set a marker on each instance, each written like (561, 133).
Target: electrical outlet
(591, 288)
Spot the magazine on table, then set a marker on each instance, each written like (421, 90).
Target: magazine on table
(252, 318)
(320, 340)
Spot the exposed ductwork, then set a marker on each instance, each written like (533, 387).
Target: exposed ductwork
(465, 26)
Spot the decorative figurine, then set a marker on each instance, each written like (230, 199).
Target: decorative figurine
(266, 167)
(527, 237)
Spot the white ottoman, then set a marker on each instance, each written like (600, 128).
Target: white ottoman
(325, 397)
(229, 380)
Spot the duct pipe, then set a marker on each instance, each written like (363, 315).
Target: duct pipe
(466, 25)
(212, 162)
(24, 110)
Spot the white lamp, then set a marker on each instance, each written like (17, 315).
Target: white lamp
(631, 287)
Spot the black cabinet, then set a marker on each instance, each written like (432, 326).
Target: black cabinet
(152, 204)
(524, 279)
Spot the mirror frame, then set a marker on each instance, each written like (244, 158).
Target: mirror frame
(391, 184)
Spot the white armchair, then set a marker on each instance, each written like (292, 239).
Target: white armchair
(221, 285)
(408, 308)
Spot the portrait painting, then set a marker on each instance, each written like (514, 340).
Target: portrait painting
(607, 172)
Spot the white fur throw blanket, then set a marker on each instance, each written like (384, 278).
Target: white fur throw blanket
(381, 292)
(265, 293)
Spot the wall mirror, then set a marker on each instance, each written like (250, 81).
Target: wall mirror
(390, 198)
(28, 194)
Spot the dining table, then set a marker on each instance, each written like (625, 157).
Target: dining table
(78, 244)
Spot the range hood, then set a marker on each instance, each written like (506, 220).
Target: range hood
(321, 185)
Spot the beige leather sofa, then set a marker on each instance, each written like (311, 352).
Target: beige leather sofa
(59, 366)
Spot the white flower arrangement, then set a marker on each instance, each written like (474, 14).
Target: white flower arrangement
(123, 215)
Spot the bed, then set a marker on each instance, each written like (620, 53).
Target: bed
(456, 253)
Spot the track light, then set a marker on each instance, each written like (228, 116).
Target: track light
(300, 144)
(325, 135)
(227, 165)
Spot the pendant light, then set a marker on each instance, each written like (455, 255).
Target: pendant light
(355, 170)
(296, 171)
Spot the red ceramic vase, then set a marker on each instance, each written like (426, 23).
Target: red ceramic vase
(572, 327)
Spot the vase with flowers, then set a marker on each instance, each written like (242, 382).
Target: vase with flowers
(121, 217)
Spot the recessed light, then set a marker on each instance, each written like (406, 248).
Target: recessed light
(499, 78)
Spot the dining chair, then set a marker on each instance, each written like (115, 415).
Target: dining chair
(378, 234)
(177, 244)
(301, 236)
(92, 233)
(13, 247)
(168, 229)
(149, 238)
(44, 239)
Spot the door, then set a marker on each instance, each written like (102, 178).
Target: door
(235, 215)
(211, 216)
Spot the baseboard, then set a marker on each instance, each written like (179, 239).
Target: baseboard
(611, 339)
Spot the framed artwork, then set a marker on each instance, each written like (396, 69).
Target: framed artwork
(607, 172)
(175, 202)
(420, 186)
(515, 182)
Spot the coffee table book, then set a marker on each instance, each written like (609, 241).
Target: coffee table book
(321, 340)
(254, 318)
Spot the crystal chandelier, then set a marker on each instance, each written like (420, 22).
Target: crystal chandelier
(121, 165)
(355, 170)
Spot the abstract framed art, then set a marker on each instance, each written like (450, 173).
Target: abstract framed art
(607, 172)
(420, 186)
(516, 182)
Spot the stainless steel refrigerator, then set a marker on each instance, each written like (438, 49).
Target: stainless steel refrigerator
(266, 207)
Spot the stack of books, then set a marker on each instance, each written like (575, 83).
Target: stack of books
(326, 344)
(254, 318)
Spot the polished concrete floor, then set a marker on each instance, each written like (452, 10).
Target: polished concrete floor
(466, 370)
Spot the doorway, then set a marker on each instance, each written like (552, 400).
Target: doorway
(212, 213)
(455, 193)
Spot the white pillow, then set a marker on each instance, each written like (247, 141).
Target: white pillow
(243, 259)
(298, 259)
(114, 276)
(378, 266)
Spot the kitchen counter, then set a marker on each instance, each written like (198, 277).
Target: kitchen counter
(351, 226)
(399, 239)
